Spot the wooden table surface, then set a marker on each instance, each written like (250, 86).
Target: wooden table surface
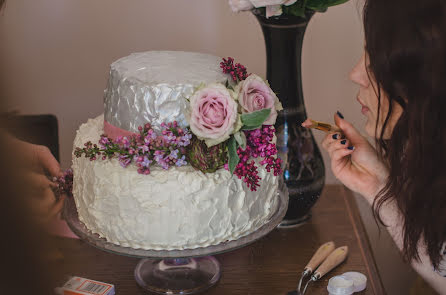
(270, 266)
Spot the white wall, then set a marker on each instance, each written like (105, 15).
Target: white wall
(55, 56)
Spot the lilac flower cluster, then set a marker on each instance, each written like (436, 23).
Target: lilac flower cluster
(237, 71)
(64, 184)
(259, 144)
(148, 147)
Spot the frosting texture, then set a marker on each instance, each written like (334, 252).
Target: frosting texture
(179, 208)
(154, 86)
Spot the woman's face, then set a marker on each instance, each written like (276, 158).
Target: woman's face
(368, 99)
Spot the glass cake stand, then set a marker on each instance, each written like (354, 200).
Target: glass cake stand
(187, 271)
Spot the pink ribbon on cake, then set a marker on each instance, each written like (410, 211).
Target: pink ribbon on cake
(113, 132)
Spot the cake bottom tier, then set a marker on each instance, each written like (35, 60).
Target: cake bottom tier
(179, 208)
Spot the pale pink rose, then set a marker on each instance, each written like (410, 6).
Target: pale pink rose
(264, 3)
(213, 114)
(273, 7)
(273, 10)
(254, 95)
(240, 5)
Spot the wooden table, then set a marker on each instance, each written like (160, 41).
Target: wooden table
(269, 266)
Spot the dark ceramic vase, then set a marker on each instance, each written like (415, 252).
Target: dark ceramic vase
(304, 171)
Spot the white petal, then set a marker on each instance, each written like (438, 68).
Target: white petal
(264, 3)
(289, 2)
(273, 10)
(240, 5)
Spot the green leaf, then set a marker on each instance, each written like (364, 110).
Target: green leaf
(228, 85)
(255, 119)
(323, 4)
(250, 128)
(240, 138)
(297, 9)
(232, 154)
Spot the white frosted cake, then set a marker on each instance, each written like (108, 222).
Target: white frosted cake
(175, 208)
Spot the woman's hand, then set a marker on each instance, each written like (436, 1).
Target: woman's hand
(354, 161)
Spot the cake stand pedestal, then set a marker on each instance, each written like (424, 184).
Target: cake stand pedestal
(187, 271)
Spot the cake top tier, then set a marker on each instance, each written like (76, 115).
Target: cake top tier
(153, 87)
(170, 67)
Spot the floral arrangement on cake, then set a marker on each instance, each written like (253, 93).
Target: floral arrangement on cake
(168, 148)
(271, 8)
(230, 125)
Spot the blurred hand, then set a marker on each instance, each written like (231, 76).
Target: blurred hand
(37, 167)
(354, 161)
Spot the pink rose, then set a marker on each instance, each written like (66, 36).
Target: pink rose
(254, 95)
(240, 5)
(273, 7)
(213, 114)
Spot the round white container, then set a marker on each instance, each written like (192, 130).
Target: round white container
(359, 280)
(340, 285)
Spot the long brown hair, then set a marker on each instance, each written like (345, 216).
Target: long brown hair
(406, 45)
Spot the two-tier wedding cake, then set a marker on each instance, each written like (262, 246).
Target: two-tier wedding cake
(141, 178)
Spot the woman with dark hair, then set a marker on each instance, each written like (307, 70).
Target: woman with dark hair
(402, 90)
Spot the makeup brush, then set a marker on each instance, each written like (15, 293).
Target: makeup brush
(321, 126)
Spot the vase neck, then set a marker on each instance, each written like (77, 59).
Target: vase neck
(284, 50)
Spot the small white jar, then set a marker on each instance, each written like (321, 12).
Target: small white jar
(339, 285)
(359, 280)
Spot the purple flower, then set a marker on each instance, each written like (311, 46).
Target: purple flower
(146, 162)
(185, 140)
(174, 154)
(124, 160)
(104, 141)
(125, 142)
(181, 161)
(164, 164)
(148, 140)
(167, 139)
(159, 156)
(144, 148)
(64, 184)
(118, 139)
